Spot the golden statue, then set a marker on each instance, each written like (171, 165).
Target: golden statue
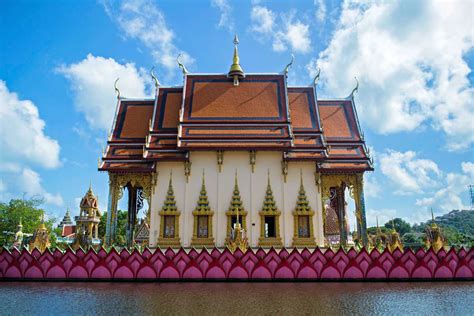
(237, 238)
(434, 238)
(40, 238)
(379, 238)
(395, 241)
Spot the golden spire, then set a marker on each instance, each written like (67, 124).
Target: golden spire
(170, 202)
(302, 204)
(42, 226)
(269, 204)
(236, 203)
(236, 70)
(203, 202)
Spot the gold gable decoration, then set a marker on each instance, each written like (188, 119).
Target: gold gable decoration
(303, 235)
(202, 235)
(169, 220)
(270, 209)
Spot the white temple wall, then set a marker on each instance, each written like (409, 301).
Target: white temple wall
(220, 187)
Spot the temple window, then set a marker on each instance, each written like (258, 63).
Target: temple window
(202, 235)
(203, 229)
(169, 227)
(303, 226)
(270, 230)
(169, 234)
(303, 220)
(269, 217)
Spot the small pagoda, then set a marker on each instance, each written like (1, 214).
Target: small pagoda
(87, 223)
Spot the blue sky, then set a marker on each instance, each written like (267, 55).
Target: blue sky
(414, 61)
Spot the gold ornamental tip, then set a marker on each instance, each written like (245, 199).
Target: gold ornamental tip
(236, 70)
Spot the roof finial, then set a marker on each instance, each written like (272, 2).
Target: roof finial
(377, 219)
(236, 70)
(116, 89)
(288, 66)
(316, 78)
(432, 215)
(356, 89)
(180, 64)
(152, 73)
(90, 185)
(301, 177)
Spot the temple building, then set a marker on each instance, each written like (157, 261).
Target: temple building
(234, 148)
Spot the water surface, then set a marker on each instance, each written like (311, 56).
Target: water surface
(454, 298)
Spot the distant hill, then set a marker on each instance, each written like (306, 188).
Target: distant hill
(460, 220)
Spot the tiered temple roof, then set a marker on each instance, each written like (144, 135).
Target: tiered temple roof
(212, 112)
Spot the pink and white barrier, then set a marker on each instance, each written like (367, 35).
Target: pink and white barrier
(223, 265)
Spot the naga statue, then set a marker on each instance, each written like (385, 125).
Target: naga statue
(394, 240)
(434, 238)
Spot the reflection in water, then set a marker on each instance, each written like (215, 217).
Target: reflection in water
(242, 298)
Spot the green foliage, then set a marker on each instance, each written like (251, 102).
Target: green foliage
(401, 226)
(30, 213)
(373, 230)
(121, 227)
(413, 238)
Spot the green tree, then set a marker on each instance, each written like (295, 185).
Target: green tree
(401, 226)
(121, 227)
(30, 213)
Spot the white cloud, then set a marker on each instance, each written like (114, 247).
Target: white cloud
(409, 174)
(263, 19)
(320, 10)
(408, 57)
(383, 215)
(450, 196)
(143, 20)
(22, 132)
(225, 10)
(371, 187)
(291, 33)
(23, 142)
(92, 81)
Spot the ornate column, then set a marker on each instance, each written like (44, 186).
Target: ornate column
(341, 212)
(360, 208)
(116, 182)
(114, 196)
(132, 211)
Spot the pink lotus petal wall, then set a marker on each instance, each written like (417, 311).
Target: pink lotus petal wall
(221, 265)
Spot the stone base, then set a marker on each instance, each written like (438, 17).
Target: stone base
(174, 242)
(303, 242)
(270, 242)
(202, 242)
